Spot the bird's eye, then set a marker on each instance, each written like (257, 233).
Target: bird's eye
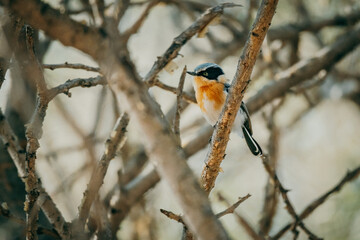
(205, 74)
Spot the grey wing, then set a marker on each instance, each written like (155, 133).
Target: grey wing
(247, 122)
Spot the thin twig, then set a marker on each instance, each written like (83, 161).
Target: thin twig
(187, 96)
(71, 65)
(179, 41)
(292, 30)
(289, 207)
(350, 176)
(231, 208)
(172, 216)
(116, 138)
(179, 93)
(132, 192)
(5, 212)
(136, 26)
(325, 58)
(271, 192)
(77, 82)
(243, 222)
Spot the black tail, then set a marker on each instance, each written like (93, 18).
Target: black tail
(252, 144)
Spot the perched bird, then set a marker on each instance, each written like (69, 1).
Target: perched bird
(211, 88)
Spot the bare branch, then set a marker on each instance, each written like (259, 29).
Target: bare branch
(243, 222)
(246, 63)
(136, 26)
(229, 210)
(305, 69)
(271, 192)
(179, 41)
(97, 177)
(293, 30)
(350, 176)
(71, 65)
(5, 212)
(232, 208)
(77, 82)
(17, 154)
(179, 93)
(187, 96)
(289, 207)
(172, 216)
(59, 26)
(33, 134)
(132, 192)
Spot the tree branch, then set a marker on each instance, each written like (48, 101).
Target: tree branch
(179, 41)
(246, 63)
(179, 94)
(77, 82)
(96, 180)
(71, 65)
(18, 156)
(325, 58)
(289, 207)
(292, 30)
(350, 176)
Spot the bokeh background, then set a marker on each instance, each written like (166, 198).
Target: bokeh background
(317, 128)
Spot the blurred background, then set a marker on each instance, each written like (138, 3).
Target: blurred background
(312, 134)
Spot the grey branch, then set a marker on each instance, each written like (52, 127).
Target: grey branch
(97, 177)
(18, 156)
(71, 65)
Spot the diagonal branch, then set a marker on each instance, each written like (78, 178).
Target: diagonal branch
(305, 69)
(231, 208)
(293, 30)
(179, 41)
(289, 207)
(97, 177)
(350, 176)
(246, 63)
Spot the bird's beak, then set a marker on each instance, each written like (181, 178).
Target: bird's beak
(191, 73)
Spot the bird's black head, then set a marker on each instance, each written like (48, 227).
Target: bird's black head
(210, 71)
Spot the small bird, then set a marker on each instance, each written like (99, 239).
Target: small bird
(211, 88)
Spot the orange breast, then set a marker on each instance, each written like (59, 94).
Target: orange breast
(211, 91)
